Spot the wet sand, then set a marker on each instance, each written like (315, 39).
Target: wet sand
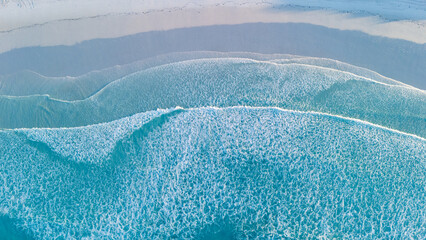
(398, 59)
(62, 30)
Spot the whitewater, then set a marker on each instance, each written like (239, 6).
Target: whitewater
(238, 172)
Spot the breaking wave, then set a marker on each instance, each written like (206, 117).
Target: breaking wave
(303, 84)
(224, 173)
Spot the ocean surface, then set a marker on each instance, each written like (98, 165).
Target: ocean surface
(225, 173)
(208, 145)
(297, 83)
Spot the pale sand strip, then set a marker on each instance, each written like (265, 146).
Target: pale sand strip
(72, 31)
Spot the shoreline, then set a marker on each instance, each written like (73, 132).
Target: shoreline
(72, 31)
(398, 59)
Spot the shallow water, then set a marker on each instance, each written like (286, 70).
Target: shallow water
(234, 173)
(394, 58)
(225, 82)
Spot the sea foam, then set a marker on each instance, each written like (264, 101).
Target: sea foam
(239, 172)
(225, 82)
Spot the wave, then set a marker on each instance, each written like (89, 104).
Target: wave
(242, 172)
(338, 65)
(227, 82)
(26, 83)
(90, 144)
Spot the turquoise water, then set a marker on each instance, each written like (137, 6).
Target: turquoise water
(220, 147)
(224, 82)
(219, 173)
